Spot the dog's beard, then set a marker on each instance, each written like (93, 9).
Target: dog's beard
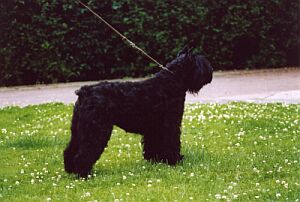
(201, 74)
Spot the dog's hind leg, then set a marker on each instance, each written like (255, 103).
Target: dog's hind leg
(72, 147)
(94, 134)
(90, 150)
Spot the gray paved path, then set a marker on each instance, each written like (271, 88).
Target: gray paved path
(260, 86)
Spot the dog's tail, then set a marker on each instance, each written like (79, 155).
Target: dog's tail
(83, 91)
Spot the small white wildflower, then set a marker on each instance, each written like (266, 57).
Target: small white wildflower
(255, 170)
(235, 196)
(218, 196)
(87, 194)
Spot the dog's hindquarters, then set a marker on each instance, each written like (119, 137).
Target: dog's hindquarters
(91, 130)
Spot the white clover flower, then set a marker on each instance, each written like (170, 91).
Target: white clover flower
(256, 170)
(218, 196)
(235, 196)
(234, 183)
(87, 194)
(224, 197)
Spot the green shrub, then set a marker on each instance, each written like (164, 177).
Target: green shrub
(44, 41)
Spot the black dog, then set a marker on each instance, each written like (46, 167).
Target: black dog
(152, 108)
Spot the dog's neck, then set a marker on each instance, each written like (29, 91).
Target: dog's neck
(176, 78)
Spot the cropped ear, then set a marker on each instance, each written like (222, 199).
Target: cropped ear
(190, 50)
(186, 50)
(183, 51)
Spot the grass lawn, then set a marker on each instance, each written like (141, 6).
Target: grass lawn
(236, 151)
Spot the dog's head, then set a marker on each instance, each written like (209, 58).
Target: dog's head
(195, 70)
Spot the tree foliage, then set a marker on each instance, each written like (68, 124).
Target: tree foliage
(44, 41)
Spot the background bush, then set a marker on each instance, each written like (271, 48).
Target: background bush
(43, 41)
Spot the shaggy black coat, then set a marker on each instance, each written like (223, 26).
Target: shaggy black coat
(152, 108)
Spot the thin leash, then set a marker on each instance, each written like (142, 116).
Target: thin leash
(125, 38)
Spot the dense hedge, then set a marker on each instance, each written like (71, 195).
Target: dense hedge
(46, 41)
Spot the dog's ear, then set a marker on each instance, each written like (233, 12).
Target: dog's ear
(190, 50)
(184, 50)
(187, 49)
